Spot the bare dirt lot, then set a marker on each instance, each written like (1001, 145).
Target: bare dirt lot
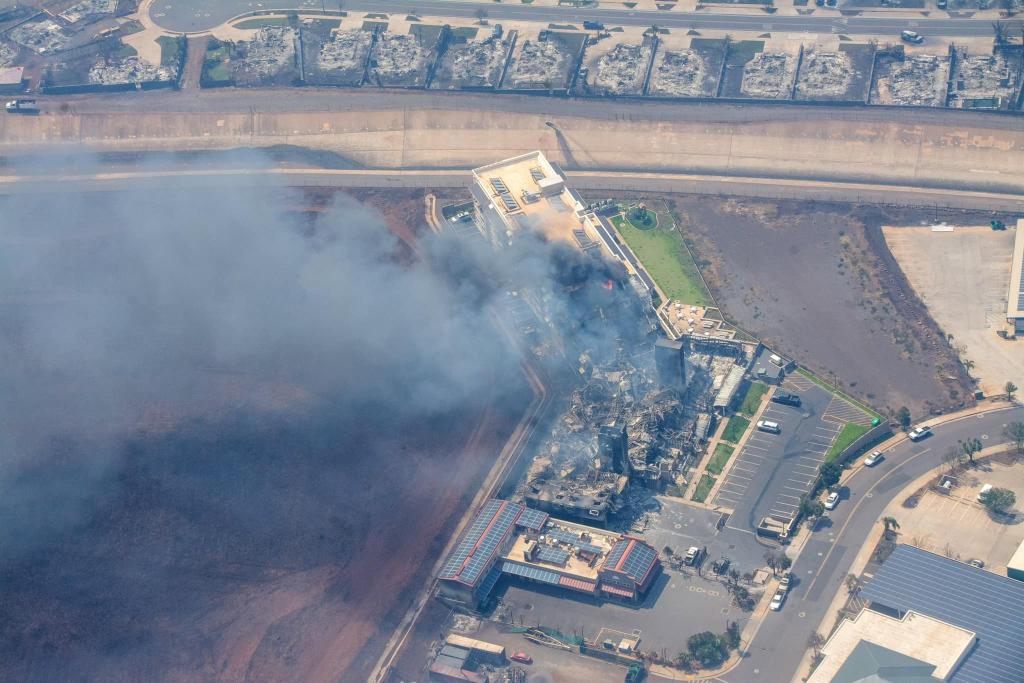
(817, 282)
(964, 277)
(227, 546)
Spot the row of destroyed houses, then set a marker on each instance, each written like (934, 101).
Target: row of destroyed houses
(594, 63)
(577, 63)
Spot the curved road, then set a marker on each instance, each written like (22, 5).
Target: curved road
(197, 16)
(779, 646)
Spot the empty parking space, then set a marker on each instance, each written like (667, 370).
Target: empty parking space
(840, 410)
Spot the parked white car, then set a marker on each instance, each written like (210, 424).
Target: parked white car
(777, 600)
(832, 500)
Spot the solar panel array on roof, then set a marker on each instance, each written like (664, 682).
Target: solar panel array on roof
(537, 174)
(615, 554)
(547, 553)
(510, 203)
(1020, 294)
(985, 603)
(475, 551)
(531, 519)
(499, 186)
(639, 561)
(563, 536)
(534, 573)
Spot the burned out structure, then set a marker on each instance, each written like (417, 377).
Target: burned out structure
(510, 540)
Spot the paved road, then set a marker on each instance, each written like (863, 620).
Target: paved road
(593, 183)
(825, 561)
(202, 15)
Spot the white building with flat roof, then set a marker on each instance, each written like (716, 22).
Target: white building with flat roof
(1015, 298)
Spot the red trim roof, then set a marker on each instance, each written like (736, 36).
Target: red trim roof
(577, 584)
(618, 591)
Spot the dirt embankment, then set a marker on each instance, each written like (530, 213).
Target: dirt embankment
(817, 282)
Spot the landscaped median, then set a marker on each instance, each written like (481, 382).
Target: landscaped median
(704, 486)
(850, 432)
(736, 428)
(719, 458)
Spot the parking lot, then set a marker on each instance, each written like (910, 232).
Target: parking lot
(773, 471)
(680, 603)
(958, 526)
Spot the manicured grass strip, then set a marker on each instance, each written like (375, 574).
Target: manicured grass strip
(828, 387)
(849, 433)
(752, 400)
(666, 258)
(704, 487)
(735, 429)
(170, 50)
(723, 452)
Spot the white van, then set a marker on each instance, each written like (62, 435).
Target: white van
(984, 489)
(769, 426)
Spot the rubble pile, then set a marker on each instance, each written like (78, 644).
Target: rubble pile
(622, 69)
(8, 55)
(43, 37)
(679, 73)
(398, 55)
(981, 76)
(129, 70)
(919, 80)
(345, 50)
(824, 74)
(769, 75)
(479, 61)
(539, 64)
(270, 49)
(87, 8)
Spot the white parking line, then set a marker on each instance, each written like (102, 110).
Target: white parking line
(793, 488)
(733, 475)
(799, 481)
(732, 485)
(786, 495)
(786, 505)
(737, 467)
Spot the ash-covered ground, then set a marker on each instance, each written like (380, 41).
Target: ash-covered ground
(236, 434)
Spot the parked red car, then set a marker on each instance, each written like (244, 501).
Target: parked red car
(521, 657)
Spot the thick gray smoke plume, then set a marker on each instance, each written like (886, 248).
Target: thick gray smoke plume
(121, 307)
(199, 384)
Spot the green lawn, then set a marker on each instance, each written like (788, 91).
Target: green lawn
(723, 452)
(752, 400)
(703, 488)
(849, 433)
(667, 260)
(170, 50)
(736, 428)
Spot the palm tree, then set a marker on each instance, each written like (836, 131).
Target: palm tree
(891, 525)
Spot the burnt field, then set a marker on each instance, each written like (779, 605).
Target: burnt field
(817, 282)
(246, 470)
